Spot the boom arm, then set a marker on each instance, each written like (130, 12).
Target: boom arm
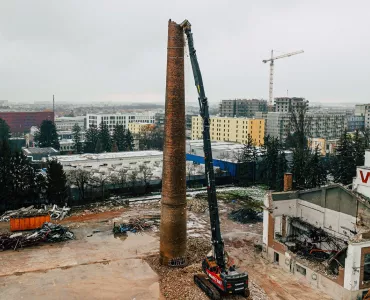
(282, 56)
(217, 242)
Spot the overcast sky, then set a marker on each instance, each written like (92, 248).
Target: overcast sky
(116, 50)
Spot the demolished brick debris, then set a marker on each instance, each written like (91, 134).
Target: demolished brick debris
(56, 213)
(48, 233)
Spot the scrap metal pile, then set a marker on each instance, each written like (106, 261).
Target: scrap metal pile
(48, 233)
(246, 215)
(56, 213)
(136, 225)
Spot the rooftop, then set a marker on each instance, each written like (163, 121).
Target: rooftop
(37, 150)
(110, 155)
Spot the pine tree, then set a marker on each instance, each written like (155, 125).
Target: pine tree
(359, 149)
(271, 146)
(129, 141)
(249, 155)
(5, 179)
(345, 164)
(4, 130)
(77, 144)
(99, 146)
(105, 138)
(114, 147)
(91, 139)
(47, 135)
(56, 183)
(119, 136)
(316, 174)
(281, 168)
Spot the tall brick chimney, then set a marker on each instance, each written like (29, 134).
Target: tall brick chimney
(173, 203)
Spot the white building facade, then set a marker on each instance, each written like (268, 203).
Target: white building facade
(118, 119)
(67, 123)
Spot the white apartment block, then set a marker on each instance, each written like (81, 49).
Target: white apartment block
(364, 111)
(118, 119)
(67, 123)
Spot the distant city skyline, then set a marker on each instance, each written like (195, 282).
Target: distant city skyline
(101, 51)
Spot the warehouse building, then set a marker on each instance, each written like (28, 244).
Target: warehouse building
(21, 122)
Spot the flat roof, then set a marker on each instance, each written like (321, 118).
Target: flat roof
(37, 150)
(108, 155)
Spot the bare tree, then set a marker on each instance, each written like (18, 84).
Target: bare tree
(80, 178)
(132, 177)
(146, 175)
(190, 168)
(100, 180)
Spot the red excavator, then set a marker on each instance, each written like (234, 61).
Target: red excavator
(219, 279)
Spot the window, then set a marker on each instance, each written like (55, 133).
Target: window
(366, 267)
(301, 270)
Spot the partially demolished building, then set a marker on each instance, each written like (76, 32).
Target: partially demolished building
(323, 236)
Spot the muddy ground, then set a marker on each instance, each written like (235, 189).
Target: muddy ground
(100, 265)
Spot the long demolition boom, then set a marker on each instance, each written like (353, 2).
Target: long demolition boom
(217, 242)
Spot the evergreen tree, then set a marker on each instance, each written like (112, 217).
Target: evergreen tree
(56, 182)
(281, 168)
(249, 155)
(105, 138)
(5, 179)
(271, 146)
(4, 130)
(129, 141)
(359, 149)
(119, 137)
(316, 174)
(114, 147)
(22, 177)
(299, 166)
(91, 139)
(345, 164)
(77, 144)
(47, 135)
(99, 147)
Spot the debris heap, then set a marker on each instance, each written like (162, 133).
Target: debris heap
(135, 225)
(56, 213)
(48, 233)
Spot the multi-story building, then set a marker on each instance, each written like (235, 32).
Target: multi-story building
(137, 128)
(67, 123)
(159, 119)
(324, 125)
(21, 122)
(364, 111)
(323, 145)
(287, 104)
(242, 107)
(118, 119)
(355, 123)
(230, 129)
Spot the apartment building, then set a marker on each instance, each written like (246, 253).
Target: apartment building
(364, 111)
(137, 128)
(118, 119)
(230, 129)
(324, 125)
(242, 107)
(287, 104)
(355, 123)
(67, 123)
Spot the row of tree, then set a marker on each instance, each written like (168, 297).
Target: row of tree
(98, 140)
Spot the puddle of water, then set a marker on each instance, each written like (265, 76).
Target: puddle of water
(120, 236)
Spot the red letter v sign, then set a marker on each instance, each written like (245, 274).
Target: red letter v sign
(364, 180)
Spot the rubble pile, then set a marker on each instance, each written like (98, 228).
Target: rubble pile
(48, 233)
(246, 215)
(197, 205)
(56, 213)
(178, 283)
(136, 225)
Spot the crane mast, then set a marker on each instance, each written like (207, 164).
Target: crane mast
(271, 60)
(217, 242)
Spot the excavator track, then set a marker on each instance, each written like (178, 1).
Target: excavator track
(203, 283)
